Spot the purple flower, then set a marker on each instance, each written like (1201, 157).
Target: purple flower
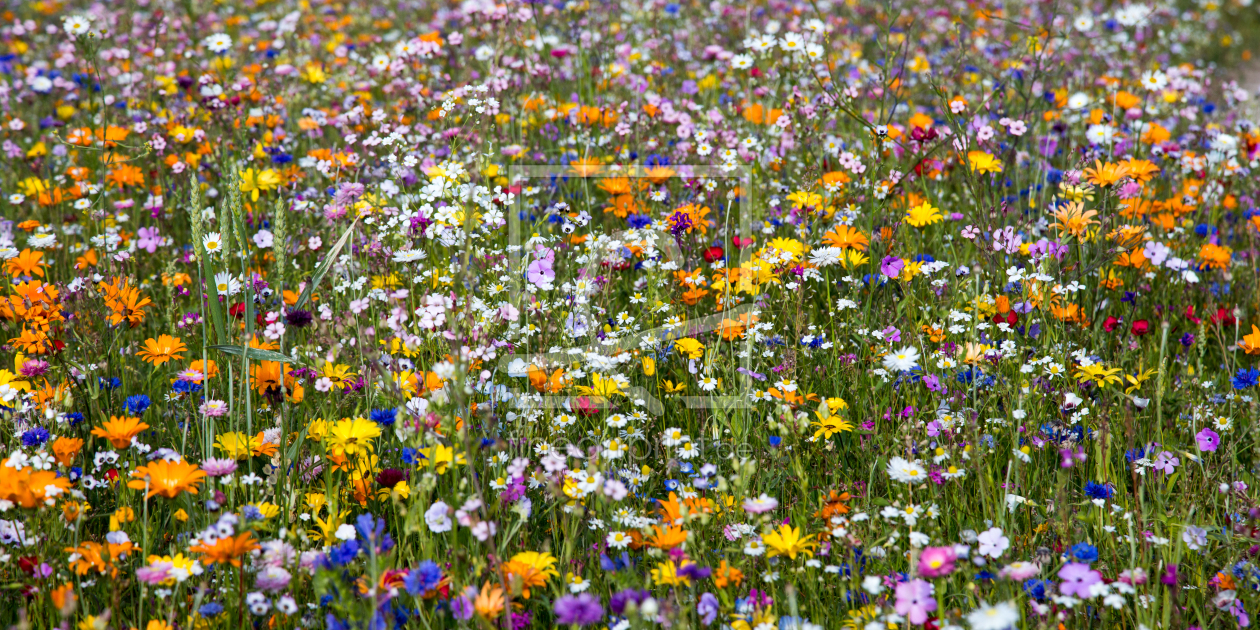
(462, 608)
(891, 334)
(891, 266)
(915, 601)
(1078, 578)
(1070, 458)
(621, 599)
(1169, 578)
(1208, 439)
(583, 610)
(707, 608)
(932, 382)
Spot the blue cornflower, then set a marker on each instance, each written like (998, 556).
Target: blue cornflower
(210, 610)
(344, 553)
(186, 387)
(384, 417)
(1084, 552)
(423, 578)
(1035, 588)
(1095, 490)
(638, 221)
(35, 437)
(136, 405)
(74, 418)
(409, 456)
(1246, 377)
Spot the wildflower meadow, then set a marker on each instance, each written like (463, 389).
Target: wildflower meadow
(778, 315)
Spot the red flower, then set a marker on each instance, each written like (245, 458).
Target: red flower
(1140, 327)
(1224, 317)
(714, 254)
(1110, 323)
(1190, 314)
(238, 310)
(584, 406)
(1009, 318)
(28, 564)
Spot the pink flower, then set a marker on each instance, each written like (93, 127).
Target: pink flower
(1166, 462)
(761, 504)
(273, 579)
(218, 467)
(915, 601)
(1020, 571)
(993, 543)
(155, 573)
(149, 239)
(937, 561)
(1078, 579)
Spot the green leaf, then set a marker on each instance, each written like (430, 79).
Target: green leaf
(254, 353)
(216, 310)
(325, 266)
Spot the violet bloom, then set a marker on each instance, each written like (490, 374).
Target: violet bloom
(462, 608)
(1169, 578)
(891, 266)
(915, 601)
(583, 609)
(1208, 440)
(707, 608)
(937, 561)
(33, 367)
(1078, 579)
(1166, 462)
(1070, 458)
(932, 382)
(891, 334)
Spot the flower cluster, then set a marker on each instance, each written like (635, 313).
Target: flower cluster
(564, 314)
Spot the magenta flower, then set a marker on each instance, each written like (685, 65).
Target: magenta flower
(1208, 440)
(915, 601)
(891, 266)
(937, 561)
(1070, 458)
(1078, 579)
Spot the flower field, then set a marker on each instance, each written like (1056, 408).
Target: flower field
(781, 315)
